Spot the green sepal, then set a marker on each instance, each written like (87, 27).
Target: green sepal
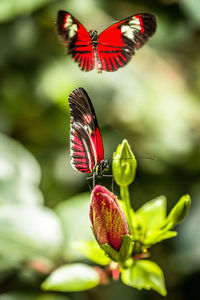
(158, 236)
(110, 252)
(126, 247)
(92, 251)
(178, 212)
(125, 250)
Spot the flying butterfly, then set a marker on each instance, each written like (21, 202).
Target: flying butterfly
(86, 147)
(111, 49)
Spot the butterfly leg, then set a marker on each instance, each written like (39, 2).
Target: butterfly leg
(89, 183)
(112, 185)
(93, 178)
(94, 175)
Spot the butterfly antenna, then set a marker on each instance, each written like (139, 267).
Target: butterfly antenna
(138, 157)
(112, 185)
(146, 157)
(107, 24)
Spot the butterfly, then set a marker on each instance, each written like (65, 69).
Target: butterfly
(111, 49)
(86, 147)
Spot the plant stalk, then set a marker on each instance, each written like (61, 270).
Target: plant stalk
(126, 198)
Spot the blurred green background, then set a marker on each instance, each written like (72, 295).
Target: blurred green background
(153, 102)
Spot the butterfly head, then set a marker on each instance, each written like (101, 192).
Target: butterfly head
(101, 167)
(94, 36)
(104, 164)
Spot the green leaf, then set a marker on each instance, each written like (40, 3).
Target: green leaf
(19, 174)
(92, 250)
(29, 233)
(16, 191)
(71, 278)
(158, 236)
(74, 218)
(152, 213)
(145, 274)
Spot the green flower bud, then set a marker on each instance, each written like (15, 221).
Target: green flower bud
(124, 164)
(179, 211)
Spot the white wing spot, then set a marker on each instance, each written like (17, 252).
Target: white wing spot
(124, 28)
(127, 32)
(130, 30)
(134, 21)
(72, 28)
(68, 22)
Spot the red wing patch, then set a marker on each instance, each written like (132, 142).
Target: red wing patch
(85, 142)
(118, 42)
(77, 40)
(97, 141)
(83, 157)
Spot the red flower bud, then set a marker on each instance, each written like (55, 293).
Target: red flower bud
(107, 217)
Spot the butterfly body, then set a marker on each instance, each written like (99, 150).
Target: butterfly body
(112, 48)
(86, 147)
(94, 38)
(100, 167)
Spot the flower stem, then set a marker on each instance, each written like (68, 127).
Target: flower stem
(126, 198)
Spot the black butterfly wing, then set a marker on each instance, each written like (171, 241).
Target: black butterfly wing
(76, 39)
(85, 139)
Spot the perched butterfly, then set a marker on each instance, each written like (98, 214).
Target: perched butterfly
(111, 49)
(86, 147)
